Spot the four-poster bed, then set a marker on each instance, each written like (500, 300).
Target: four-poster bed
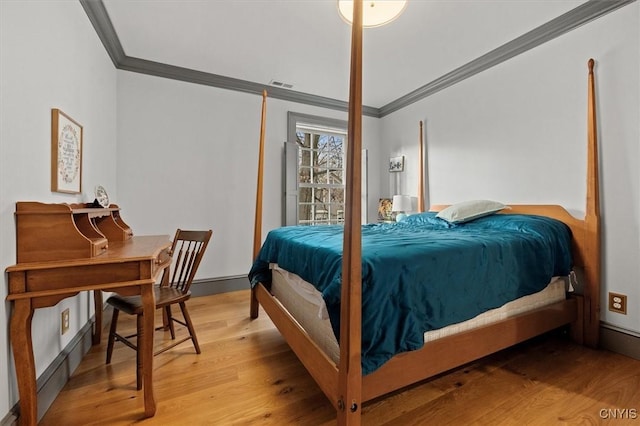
(342, 381)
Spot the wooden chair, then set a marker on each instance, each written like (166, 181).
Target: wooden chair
(187, 250)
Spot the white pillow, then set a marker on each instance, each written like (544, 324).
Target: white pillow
(469, 210)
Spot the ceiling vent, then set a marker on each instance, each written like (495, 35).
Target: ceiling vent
(281, 84)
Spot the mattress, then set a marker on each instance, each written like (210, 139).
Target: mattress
(306, 305)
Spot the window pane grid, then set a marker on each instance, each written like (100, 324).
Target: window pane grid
(320, 176)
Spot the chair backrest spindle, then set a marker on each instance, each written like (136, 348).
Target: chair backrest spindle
(187, 251)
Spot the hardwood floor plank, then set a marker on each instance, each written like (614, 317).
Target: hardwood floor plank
(247, 375)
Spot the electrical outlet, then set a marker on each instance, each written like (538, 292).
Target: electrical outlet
(64, 321)
(618, 303)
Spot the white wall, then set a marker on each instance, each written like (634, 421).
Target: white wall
(50, 57)
(517, 133)
(188, 155)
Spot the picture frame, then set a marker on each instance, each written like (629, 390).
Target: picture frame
(396, 164)
(385, 210)
(66, 153)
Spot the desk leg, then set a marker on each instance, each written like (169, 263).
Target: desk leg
(24, 360)
(148, 306)
(98, 305)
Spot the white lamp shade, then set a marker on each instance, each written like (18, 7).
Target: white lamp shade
(374, 12)
(401, 203)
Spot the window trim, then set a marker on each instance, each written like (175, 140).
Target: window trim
(295, 120)
(290, 159)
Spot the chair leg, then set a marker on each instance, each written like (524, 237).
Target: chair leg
(112, 334)
(138, 354)
(192, 331)
(165, 323)
(169, 316)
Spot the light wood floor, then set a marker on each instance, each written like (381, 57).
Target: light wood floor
(247, 375)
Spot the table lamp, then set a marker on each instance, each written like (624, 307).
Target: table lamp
(401, 205)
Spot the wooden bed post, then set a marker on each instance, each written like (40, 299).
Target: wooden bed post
(421, 173)
(350, 370)
(344, 384)
(592, 223)
(257, 224)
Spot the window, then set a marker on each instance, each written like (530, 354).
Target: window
(315, 171)
(320, 175)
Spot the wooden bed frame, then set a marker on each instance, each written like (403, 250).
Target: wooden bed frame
(344, 384)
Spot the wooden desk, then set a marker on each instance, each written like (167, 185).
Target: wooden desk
(128, 267)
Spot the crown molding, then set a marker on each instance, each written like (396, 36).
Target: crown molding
(101, 22)
(159, 69)
(570, 20)
(564, 23)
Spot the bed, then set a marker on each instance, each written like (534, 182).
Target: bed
(341, 376)
(418, 275)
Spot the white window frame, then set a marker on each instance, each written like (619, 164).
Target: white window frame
(291, 152)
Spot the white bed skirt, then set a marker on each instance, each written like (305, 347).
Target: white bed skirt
(306, 305)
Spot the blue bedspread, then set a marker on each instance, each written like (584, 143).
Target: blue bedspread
(424, 273)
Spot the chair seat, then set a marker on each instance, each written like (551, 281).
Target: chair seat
(132, 305)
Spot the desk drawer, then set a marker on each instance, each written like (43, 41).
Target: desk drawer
(99, 246)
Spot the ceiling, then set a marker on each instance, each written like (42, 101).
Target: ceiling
(305, 42)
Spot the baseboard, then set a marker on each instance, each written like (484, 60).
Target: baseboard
(11, 419)
(619, 340)
(53, 379)
(211, 286)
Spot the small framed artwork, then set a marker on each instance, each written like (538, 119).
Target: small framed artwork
(396, 164)
(66, 153)
(385, 207)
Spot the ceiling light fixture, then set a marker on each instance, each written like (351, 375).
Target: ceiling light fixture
(375, 13)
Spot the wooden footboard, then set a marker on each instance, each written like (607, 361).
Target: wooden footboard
(434, 357)
(443, 354)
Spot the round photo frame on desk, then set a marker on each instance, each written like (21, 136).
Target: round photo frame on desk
(102, 198)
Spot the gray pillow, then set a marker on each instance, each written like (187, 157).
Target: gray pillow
(469, 210)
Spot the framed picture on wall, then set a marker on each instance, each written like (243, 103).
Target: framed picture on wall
(396, 164)
(66, 153)
(385, 207)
